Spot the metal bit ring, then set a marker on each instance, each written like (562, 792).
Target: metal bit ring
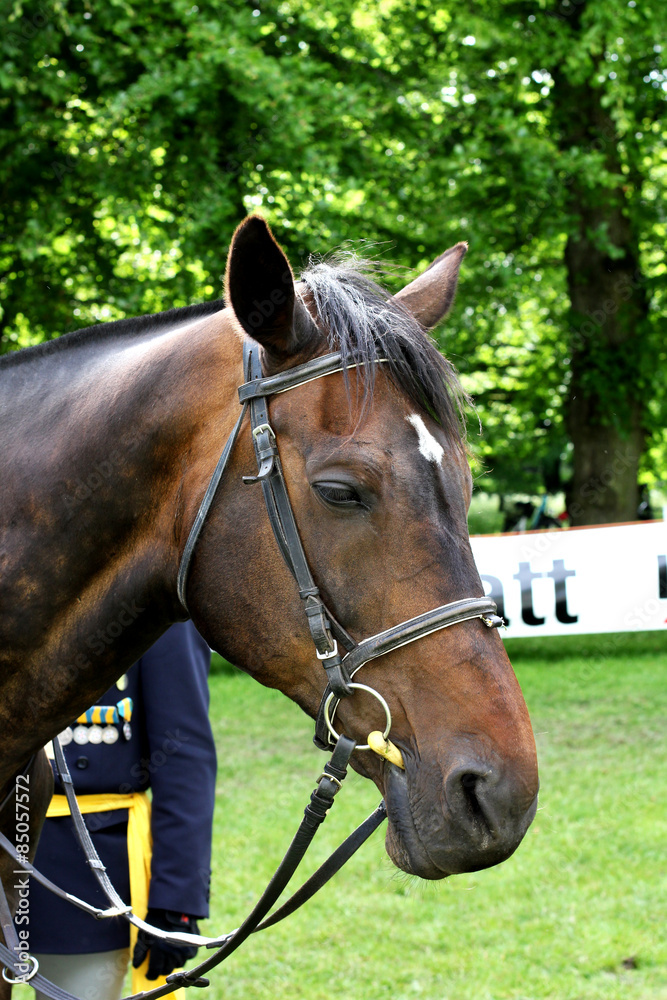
(361, 687)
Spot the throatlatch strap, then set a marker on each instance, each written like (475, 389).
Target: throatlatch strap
(198, 524)
(20, 859)
(92, 857)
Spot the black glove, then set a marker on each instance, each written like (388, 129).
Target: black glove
(165, 956)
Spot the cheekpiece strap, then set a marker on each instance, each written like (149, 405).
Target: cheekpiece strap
(279, 508)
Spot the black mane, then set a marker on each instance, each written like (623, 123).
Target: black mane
(365, 323)
(135, 326)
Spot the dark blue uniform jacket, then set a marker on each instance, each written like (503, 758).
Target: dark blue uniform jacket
(170, 751)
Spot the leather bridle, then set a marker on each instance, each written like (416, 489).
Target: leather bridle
(325, 630)
(326, 633)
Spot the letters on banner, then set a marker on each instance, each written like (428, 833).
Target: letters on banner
(611, 578)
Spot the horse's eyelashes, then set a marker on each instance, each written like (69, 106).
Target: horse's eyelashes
(341, 495)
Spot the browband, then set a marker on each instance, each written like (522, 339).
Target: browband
(271, 385)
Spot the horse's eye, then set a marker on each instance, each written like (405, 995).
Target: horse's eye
(338, 495)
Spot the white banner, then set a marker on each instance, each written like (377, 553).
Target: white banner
(611, 578)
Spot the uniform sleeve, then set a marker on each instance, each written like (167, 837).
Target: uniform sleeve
(182, 767)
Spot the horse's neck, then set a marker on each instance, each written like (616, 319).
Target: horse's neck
(100, 486)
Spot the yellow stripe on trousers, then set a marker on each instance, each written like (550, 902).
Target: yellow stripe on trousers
(139, 852)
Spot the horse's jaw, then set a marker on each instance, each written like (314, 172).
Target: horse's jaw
(460, 832)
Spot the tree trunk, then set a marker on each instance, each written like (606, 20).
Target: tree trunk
(605, 406)
(609, 307)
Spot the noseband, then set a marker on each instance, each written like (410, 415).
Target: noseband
(325, 631)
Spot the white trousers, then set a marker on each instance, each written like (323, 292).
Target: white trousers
(99, 975)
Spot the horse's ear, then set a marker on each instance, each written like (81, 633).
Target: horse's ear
(260, 289)
(430, 296)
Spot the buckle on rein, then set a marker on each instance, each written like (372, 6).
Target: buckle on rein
(337, 675)
(23, 977)
(266, 453)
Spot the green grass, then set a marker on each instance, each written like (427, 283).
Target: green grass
(578, 913)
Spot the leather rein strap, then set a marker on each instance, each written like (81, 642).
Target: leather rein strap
(319, 806)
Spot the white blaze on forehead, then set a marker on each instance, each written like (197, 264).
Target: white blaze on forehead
(428, 446)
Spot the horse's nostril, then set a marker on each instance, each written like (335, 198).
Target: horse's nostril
(485, 813)
(489, 804)
(470, 782)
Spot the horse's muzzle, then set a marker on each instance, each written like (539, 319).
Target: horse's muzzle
(477, 821)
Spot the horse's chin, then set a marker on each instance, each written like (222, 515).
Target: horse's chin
(433, 844)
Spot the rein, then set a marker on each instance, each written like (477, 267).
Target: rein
(328, 785)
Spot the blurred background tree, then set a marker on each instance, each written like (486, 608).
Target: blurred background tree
(135, 136)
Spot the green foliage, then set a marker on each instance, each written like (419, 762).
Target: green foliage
(134, 137)
(484, 517)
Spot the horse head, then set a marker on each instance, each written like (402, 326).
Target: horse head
(377, 475)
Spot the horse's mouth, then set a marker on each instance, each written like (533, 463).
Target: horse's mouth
(403, 843)
(451, 837)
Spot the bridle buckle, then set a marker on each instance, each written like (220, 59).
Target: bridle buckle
(337, 675)
(330, 655)
(261, 428)
(25, 977)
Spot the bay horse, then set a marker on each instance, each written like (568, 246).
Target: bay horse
(110, 436)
